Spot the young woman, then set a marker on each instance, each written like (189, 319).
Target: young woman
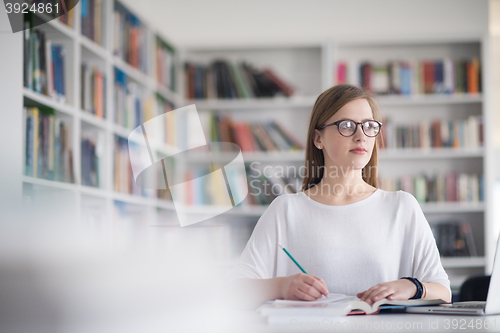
(351, 237)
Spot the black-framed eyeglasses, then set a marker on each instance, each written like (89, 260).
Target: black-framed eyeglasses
(348, 127)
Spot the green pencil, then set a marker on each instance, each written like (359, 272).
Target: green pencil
(295, 261)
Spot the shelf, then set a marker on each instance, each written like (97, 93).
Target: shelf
(58, 26)
(168, 94)
(308, 102)
(445, 207)
(121, 131)
(95, 48)
(452, 207)
(94, 191)
(49, 183)
(384, 154)
(430, 99)
(432, 153)
(133, 199)
(460, 262)
(43, 100)
(254, 103)
(134, 73)
(92, 119)
(248, 211)
(276, 156)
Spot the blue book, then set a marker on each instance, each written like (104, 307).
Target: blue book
(439, 77)
(55, 64)
(29, 145)
(61, 71)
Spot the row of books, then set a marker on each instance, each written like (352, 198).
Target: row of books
(123, 176)
(69, 18)
(130, 38)
(443, 76)
(252, 136)
(461, 133)
(264, 187)
(92, 20)
(448, 187)
(91, 161)
(93, 90)
(44, 65)
(454, 239)
(48, 151)
(165, 64)
(262, 190)
(132, 105)
(224, 79)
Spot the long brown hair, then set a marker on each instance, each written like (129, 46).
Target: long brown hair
(327, 104)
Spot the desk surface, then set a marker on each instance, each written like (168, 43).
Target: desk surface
(384, 322)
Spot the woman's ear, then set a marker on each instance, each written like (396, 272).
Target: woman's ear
(317, 139)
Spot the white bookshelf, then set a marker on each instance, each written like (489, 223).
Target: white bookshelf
(310, 68)
(98, 204)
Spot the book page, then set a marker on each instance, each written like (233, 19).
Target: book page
(329, 299)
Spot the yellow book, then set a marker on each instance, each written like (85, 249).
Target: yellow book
(170, 134)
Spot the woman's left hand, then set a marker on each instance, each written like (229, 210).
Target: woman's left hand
(401, 289)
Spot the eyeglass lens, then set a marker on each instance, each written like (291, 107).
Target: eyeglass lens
(348, 127)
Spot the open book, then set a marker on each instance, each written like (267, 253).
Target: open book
(336, 305)
(361, 307)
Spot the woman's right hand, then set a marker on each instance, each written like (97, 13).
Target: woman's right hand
(303, 287)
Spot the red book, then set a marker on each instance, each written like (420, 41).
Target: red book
(240, 137)
(473, 76)
(428, 77)
(284, 87)
(366, 76)
(341, 72)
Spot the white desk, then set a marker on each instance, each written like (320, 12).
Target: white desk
(385, 322)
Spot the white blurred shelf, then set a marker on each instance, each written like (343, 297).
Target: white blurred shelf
(430, 99)
(95, 48)
(58, 26)
(90, 118)
(432, 153)
(49, 183)
(47, 101)
(132, 72)
(298, 102)
(453, 207)
(458, 262)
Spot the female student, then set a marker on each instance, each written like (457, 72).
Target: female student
(351, 237)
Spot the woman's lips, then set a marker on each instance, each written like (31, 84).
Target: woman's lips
(359, 151)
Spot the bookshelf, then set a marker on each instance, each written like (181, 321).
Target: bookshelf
(157, 72)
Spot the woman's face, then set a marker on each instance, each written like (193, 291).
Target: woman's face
(347, 153)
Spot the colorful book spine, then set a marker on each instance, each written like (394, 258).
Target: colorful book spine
(448, 187)
(130, 39)
(93, 90)
(92, 11)
(130, 101)
(48, 152)
(44, 64)
(441, 76)
(165, 64)
(123, 181)
(252, 136)
(91, 160)
(223, 79)
(459, 133)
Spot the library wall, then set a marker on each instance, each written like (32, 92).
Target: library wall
(269, 22)
(10, 140)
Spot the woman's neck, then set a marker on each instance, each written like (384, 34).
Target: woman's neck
(340, 186)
